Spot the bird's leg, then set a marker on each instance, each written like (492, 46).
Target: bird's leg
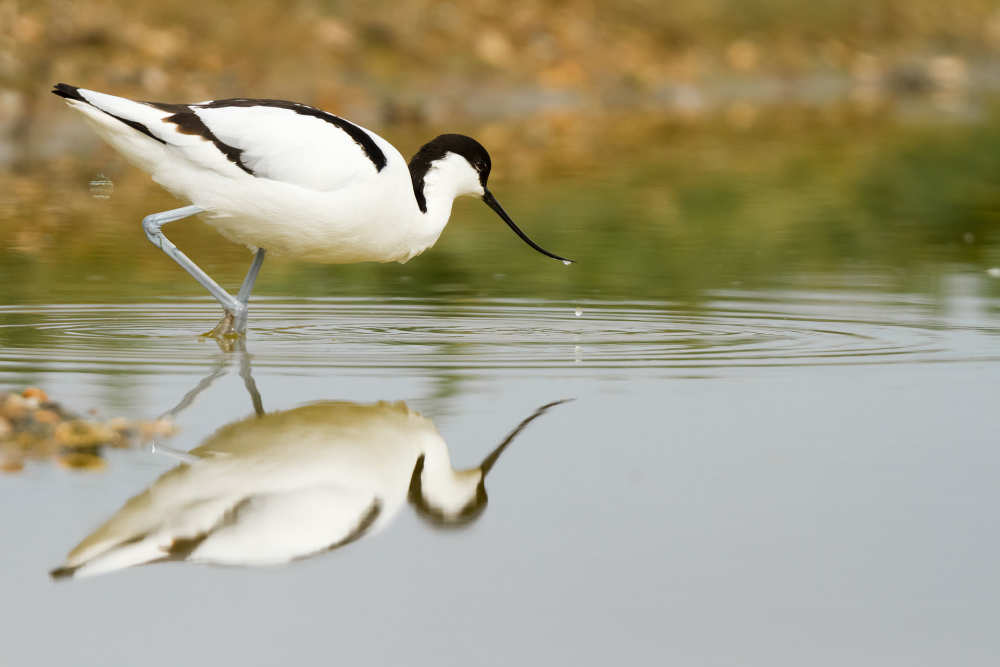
(236, 324)
(152, 224)
(240, 323)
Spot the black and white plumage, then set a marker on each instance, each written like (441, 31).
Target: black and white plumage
(289, 485)
(290, 179)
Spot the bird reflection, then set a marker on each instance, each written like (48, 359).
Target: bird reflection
(283, 486)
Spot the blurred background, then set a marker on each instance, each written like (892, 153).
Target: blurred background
(672, 147)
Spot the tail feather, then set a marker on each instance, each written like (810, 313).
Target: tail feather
(143, 131)
(136, 115)
(68, 91)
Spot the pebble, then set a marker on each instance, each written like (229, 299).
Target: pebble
(81, 433)
(160, 428)
(81, 461)
(36, 393)
(33, 427)
(45, 416)
(13, 406)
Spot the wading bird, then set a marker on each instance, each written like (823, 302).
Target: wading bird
(287, 178)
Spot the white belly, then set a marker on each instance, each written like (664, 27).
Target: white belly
(369, 222)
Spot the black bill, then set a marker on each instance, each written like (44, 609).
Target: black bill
(492, 202)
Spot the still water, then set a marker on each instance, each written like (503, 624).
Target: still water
(733, 441)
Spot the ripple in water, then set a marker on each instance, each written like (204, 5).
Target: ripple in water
(733, 330)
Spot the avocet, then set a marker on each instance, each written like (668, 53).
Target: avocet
(289, 179)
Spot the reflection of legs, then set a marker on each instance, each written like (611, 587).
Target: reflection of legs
(220, 369)
(203, 384)
(177, 454)
(206, 382)
(248, 382)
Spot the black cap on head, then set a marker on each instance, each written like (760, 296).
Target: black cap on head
(459, 144)
(438, 148)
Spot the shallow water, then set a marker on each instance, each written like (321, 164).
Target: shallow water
(780, 469)
(780, 446)
(730, 329)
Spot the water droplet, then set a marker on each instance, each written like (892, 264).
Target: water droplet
(566, 262)
(101, 187)
(578, 312)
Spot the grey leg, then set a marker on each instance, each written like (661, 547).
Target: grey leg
(240, 321)
(152, 224)
(258, 259)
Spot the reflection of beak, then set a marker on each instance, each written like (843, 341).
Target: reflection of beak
(466, 502)
(492, 202)
(492, 457)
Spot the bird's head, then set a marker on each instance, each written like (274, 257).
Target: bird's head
(449, 498)
(463, 165)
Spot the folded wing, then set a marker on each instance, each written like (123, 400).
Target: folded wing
(273, 139)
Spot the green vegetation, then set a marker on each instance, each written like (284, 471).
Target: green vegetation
(672, 212)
